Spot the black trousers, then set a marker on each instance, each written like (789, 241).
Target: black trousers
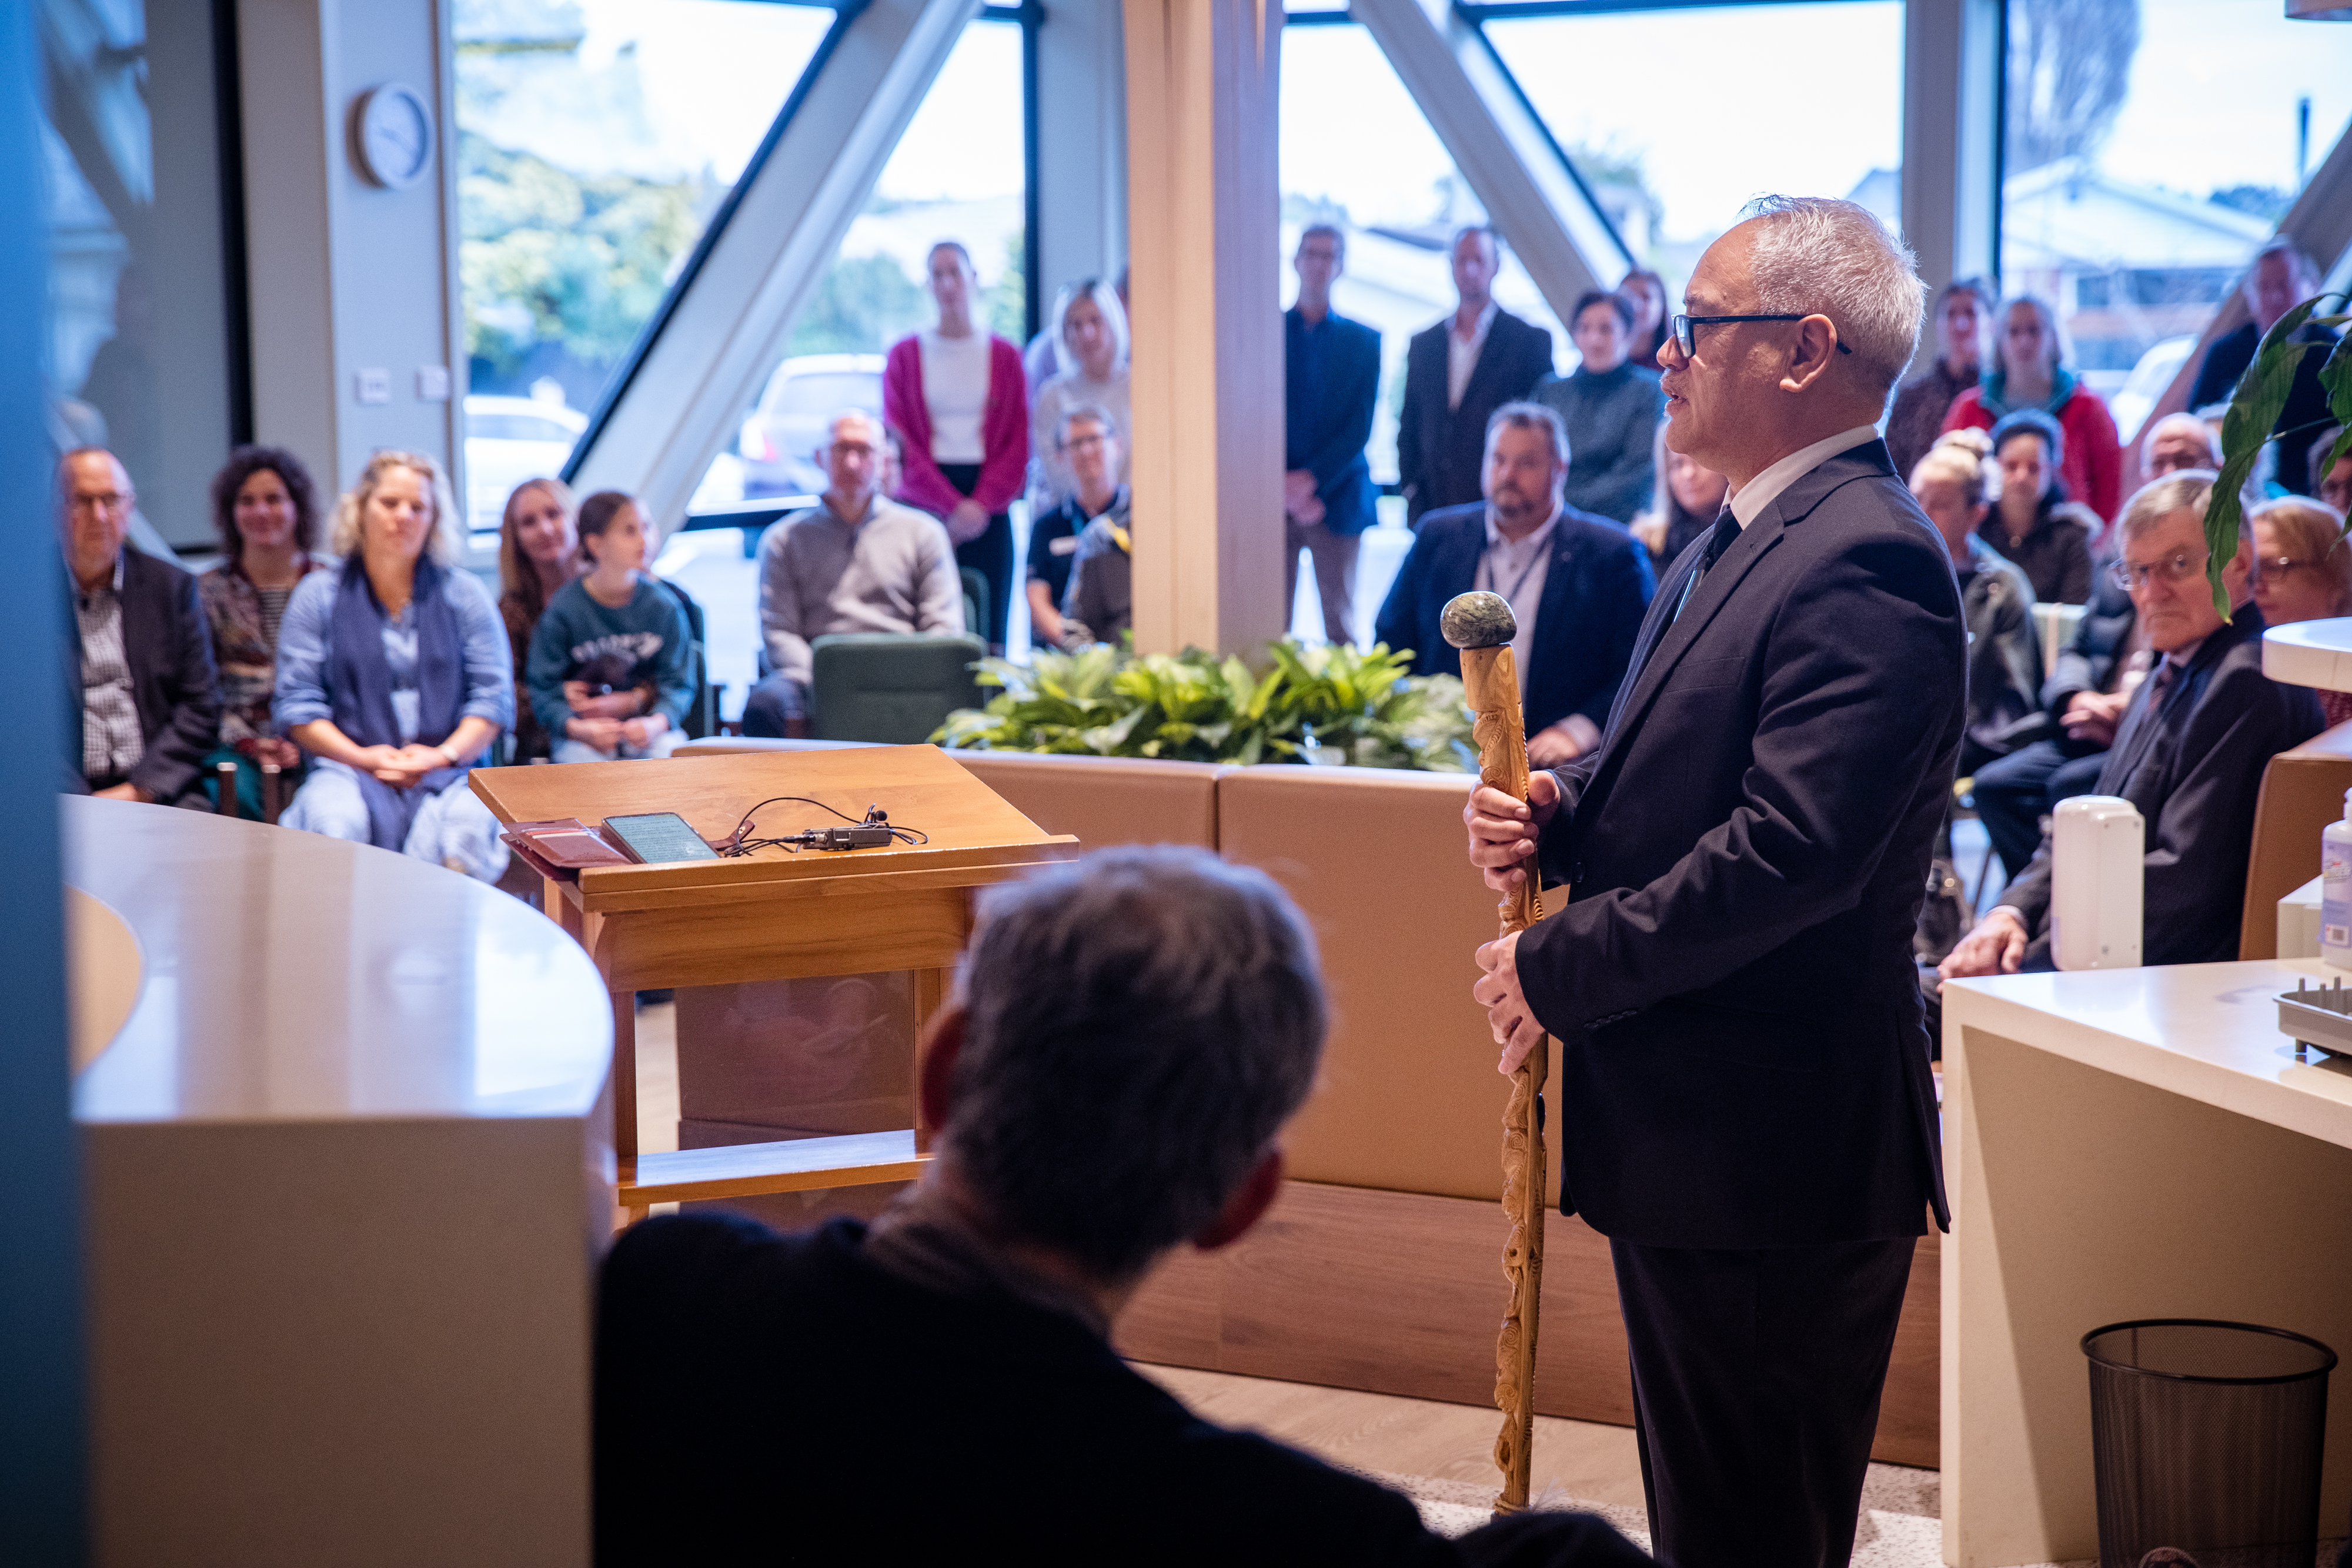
(991, 555)
(2014, 793)
(1756, 1384)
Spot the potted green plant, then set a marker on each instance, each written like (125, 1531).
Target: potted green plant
(2254, 412)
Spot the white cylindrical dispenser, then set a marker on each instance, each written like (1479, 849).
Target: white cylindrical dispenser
(2098, 845)
(2335, 889)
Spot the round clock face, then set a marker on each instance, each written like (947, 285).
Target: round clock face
(396, 136)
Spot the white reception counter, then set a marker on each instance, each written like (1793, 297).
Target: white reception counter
(2122, 1143)
(349, 1169)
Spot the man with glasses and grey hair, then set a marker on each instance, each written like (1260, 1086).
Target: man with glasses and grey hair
(146, 693)
(1743, 1095)
(1577, 584)
(2190, 751)
(1130, 1034)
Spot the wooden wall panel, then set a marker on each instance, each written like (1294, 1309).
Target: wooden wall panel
(1401, 1292)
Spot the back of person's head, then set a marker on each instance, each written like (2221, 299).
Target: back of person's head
(244, 462)
(2190, 488)
(1141, 1023)
(1960, 457)
(2031, 422)
(1818, 256)
(1529, 415)
(440, 545)
(596, 514)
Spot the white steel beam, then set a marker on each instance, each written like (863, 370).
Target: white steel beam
(723, 332)
(1513, 167)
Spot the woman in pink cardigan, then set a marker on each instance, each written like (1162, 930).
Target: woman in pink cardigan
(957, 398)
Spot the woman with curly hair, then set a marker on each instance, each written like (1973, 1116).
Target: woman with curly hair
(266, 510)
(394, 673)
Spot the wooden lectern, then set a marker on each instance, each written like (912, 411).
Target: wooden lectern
(773, 915)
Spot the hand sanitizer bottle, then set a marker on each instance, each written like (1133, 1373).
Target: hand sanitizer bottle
(2335, 890)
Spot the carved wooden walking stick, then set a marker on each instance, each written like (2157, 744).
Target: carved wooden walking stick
(1482, 626)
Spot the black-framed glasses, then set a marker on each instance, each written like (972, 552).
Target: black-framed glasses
(1686, 337)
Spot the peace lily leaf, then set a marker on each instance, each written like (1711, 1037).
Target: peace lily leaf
(2253, 415)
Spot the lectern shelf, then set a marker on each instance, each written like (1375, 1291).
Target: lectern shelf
(775, 916)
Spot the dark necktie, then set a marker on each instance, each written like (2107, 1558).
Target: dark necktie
(2138, 718)
(1727, 529)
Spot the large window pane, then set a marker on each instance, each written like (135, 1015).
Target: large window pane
(595, 140)
(138, 291)
(959, 172)
(2152, 146)
(1659, 111)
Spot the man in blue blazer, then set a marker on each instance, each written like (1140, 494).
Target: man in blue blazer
(1744, 1097)
(1332, 371)
(1576, 583)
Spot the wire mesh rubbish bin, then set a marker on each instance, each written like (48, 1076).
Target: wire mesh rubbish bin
(2206, 1435)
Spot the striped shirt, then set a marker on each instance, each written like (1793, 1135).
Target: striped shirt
(111, 745)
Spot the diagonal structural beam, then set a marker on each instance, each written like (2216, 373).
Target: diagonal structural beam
(1518, 171)
(703, 358)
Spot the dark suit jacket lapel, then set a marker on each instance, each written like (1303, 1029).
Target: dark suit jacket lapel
(146, 627)
(1488, 369)
(2142, 728)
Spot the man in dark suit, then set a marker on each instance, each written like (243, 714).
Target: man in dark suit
(2280, 277)
(1332, 379)
(1745, 1102)
(1577, 584)
(2190, 753)
(1458, 372)
(146, 701)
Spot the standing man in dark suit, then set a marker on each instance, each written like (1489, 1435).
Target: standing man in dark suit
(1577, 584)
(1744, 1096)
(2280, 277)
(1458, 372)
(1332, 379)
(2190, 753)
(146, 700)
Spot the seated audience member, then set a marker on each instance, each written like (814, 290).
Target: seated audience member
(2035, 528)
(1962, 308)
(1332, 384)
(2331, 482)
(266, 510)
(146, 698)
(955, 391)
(2280, 277)
(2303, 572)
(539, 553)
(2190, 753)
(1647, 291)
(1092, 331)
(2177, 443)
(1578, 585)
(394, 673)
(1090, 443)
(1612, 410)
(609, 668)
(2030, 372)
(1129, 1036)
(1689, 498)
(1996, 601)
(855, 562)
(2082, 702)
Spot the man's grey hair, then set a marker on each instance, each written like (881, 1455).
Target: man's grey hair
(2152, 503)
(1085, 411)
(1528, 415)
(2181, 419)
(1494, 238)
(1140, 1024)
(2299, 264)
(1818, 256)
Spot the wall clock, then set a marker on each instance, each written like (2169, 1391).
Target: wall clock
(393, 136)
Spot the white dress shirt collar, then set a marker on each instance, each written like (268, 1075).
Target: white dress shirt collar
(1462, 354)
(1748, 502)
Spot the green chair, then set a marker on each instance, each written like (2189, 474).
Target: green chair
(976, 604)
(887, 687)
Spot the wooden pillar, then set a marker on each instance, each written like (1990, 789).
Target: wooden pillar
(1204, 225)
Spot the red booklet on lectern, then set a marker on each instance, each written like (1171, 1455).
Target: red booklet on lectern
(561, 846)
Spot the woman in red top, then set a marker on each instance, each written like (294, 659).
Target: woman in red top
(957, 398)
(2030, 373)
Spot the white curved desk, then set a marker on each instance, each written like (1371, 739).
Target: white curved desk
(349, 1167)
